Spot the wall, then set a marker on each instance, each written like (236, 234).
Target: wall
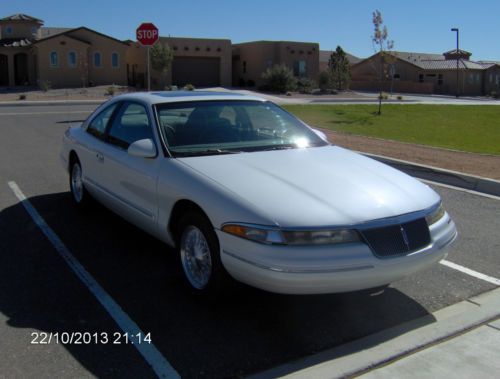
(20, 29)
(106, 74)
(492, 80)
(63, 75)
(181, 47)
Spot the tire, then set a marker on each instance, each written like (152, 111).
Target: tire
(79, 194)
(199, 252)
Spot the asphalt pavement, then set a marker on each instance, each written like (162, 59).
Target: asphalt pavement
(252, 331)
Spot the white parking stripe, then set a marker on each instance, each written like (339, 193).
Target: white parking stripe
(470, 272)
(156, 360)
(39, 113)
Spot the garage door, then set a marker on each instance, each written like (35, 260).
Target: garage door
(200, 72)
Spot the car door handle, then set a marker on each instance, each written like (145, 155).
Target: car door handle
(100, 157)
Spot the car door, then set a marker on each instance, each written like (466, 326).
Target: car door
(90, 149)
(131, 181)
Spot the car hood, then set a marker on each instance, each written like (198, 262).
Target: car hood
(322, 186)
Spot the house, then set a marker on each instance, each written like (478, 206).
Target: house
(201, 62)
(324, 59)
(252, 59)
(491, 77)
(422, 73)
(59, 57)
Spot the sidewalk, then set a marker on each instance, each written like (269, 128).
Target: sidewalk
(459, 341)
(472, 354)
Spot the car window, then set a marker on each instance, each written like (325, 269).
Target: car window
(98, 125)
(209, 127)
(130, 125)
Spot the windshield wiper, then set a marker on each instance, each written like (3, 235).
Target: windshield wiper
(205, 152)
(280, 147)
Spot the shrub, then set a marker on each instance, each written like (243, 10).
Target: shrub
(400, 97)
(22, 96)
(280, 79)
(110, 91)
(306, 85)
(494, 94)
(325, 81)
(383, 96)
(45, 85)
(189, 87)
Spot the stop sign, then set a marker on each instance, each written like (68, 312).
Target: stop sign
(147, 34)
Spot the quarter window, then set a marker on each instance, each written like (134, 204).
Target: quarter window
(114, 60)
(54, 59)
(97, 59)
(130, 125)
(98, 125)
(72, 59)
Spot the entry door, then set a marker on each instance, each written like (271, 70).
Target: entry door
(4, 70)
(131, 181)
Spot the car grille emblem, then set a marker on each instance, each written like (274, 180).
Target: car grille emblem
(405, 238)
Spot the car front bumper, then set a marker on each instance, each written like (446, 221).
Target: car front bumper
(327, 269)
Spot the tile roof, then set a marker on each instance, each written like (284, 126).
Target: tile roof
(21, 17)
(49, 32)
(15, 42)
(324, 56)
(428, 61)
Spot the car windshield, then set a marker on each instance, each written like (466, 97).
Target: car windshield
(225, 127)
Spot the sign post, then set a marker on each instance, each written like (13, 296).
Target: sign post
(147, 35)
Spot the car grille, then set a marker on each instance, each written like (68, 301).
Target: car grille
(395, 240)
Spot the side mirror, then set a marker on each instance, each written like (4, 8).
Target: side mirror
(143, 148)
(320, 134)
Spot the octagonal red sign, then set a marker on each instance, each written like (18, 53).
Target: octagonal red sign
(147, 34)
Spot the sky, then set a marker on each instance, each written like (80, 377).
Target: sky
(416, 26)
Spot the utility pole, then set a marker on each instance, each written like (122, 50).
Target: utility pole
(458, 32)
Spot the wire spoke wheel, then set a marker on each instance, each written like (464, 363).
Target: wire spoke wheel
(195, 257)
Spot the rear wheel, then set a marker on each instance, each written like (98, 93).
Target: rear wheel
(199, 253)
(79, 194)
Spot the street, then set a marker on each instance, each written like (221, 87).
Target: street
(250, 332)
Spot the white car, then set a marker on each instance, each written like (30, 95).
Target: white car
(243, 189)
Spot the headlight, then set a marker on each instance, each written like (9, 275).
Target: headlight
(285, 237)
(435, 215)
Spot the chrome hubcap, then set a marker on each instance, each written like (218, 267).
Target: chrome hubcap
(195, 257)
(76, 182)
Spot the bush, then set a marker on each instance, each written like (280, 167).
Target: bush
(383, 96)
(280, 79)
(399, 97)
(306, 85)
(110, 91)
(325, 81)
(494, 94)
(45, 85)
(22, 96)
(189, 87)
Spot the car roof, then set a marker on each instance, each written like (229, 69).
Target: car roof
(158, 97)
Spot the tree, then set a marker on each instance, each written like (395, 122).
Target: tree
(340, 68)
(280, 78)
(382, 45)
(161, 57)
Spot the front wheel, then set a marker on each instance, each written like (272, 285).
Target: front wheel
(79, 194)
(199, 253)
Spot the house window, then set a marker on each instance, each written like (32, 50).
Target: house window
(478, 78)
(244, 67)
(269, 63)
(8, 30)
(440, 79)
(491, 78)
(497, 80)
(54, 59)
(34, 30)
(114, 60)
(299, 68)
(420, 78)
(471, 78)
(97, 59)
(72, 59)
(396, 76)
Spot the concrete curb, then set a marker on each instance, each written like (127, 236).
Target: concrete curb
(23, 103)
(383, 347)
(436, 174)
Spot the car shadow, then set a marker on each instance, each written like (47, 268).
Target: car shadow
(249, 331)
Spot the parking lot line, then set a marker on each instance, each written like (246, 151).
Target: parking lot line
(470, 272)
(151, 354)
(40, 113)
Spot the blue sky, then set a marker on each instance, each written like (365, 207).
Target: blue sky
(420, 26)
